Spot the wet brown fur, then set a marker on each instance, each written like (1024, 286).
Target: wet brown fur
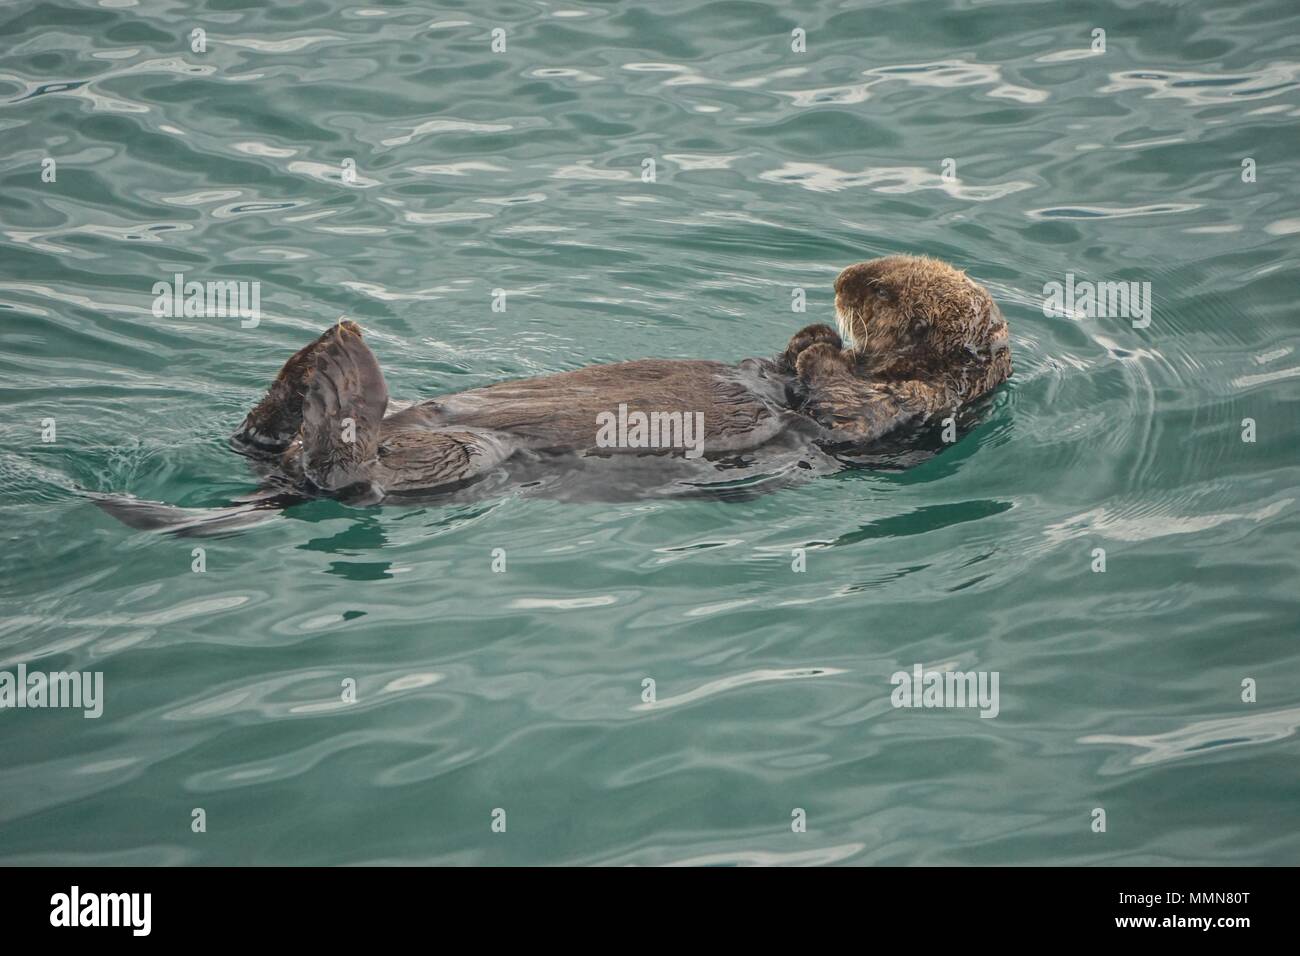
(925, 339)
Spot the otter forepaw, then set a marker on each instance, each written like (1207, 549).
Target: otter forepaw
(820, 360)
(806, 338)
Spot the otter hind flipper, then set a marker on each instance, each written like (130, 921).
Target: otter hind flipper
(342, 408)
(273, 423)
(415, 459)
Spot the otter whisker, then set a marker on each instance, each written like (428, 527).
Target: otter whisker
(849, 325)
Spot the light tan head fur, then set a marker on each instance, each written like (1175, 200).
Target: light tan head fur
(916, 306)
(919, 318)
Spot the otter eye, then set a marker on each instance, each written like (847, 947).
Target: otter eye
(882, 293)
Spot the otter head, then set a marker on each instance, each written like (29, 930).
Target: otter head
(913, 308)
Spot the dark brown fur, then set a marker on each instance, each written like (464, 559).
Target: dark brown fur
(925, 340)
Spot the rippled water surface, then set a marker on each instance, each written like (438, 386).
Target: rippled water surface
(523, 170)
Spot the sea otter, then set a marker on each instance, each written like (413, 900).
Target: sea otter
(924, 341)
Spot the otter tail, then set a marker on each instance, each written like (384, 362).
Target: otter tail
(343, 405)
(193, 522)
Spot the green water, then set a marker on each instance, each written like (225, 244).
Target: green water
(522, 170)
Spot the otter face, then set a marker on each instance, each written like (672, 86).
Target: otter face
(914, 304)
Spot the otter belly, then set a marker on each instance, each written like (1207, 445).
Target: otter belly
(688, 408)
